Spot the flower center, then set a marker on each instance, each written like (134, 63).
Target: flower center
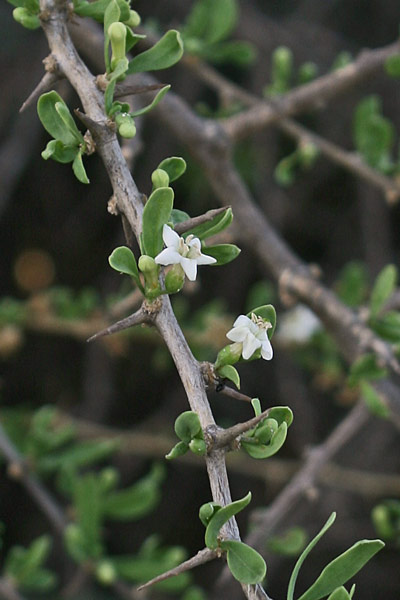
(259, 321)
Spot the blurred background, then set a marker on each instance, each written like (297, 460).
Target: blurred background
(57, 289)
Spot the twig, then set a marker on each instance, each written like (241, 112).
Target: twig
(348, 160)
(195, 221)
(136, 319)
(202, 557)
(130, 89)
(312, 95)
(228, 391)
(224, 437)
(45, 84)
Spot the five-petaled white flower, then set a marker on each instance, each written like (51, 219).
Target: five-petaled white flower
(187, 253)
(253, 335)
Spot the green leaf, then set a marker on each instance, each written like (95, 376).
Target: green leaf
(137, 500)
(256, 404)
(229, 372)
(156, 214)
(268, 313)
(374, 402)
(373, 134)
(160, 95)
(216, 225)
(392, 65)
(352, 285)
(365, 367)
(212, 21)
(24, 565)
(261, 451)
(68, 121)
(291, 543)
(283, 414)
(178, 216)
(88, 506)
(387, 326)
(175, 166)
(111, 14)
(223, 253)
(75, 543)
(165, 53)
(79, 455)
(52, 121)
(56, 150)
(123, 260)
(187, 426)
(79, 169)
(237, 53)
(178, 450)
(305, 553)
(340, 594)
(245, 563)
(221, 517)
(384, 287)
(342, 568)
(94, 10)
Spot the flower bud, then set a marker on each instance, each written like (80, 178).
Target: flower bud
(198, 446)
(26, 18)
(382, 522)
(106, 572)
(160, 178)
(282, 63)
(174, 279)
(147, 264)
(126, 125)
(134, 19)
(229, 355)
(117, 35)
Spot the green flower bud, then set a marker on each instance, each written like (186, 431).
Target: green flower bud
(126, 125)
(26, 18)
(178, 450)
(117, 35)
(160, 178)
(198, 446)
(147, 264)
(174, 279)
(308, 153)
(134, 19)
(282, 63)
(105, 572)
(229, 355)
(150, 271)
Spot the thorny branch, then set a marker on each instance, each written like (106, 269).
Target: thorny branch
(129, 203)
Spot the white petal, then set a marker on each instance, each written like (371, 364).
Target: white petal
(250, 345)
(190, 268)
(242, 321)
(196, 243)
(266, 350)
(170, 237)
(204, 259)
(168, 256)
(237, 334)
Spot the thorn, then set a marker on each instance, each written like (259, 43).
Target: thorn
(44, 85)
(135, 319)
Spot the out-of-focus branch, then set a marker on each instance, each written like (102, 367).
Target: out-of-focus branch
(18, 470)
(350, 161)
(312, 95)
(8, 591)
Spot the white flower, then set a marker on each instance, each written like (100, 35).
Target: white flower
(187, 253)
(253, 335)
(298, 325)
